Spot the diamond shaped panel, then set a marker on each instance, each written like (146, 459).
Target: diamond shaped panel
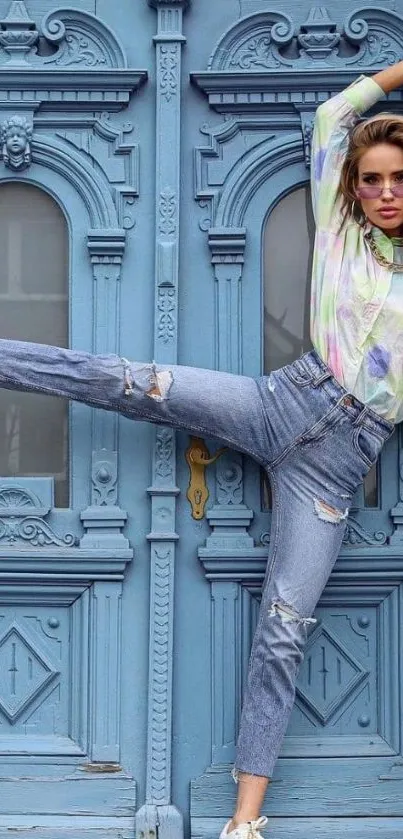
(24, 672)
(329, 673)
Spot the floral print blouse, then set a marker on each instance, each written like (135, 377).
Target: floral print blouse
(356, 304)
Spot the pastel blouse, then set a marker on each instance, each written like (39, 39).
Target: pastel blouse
(356, 304)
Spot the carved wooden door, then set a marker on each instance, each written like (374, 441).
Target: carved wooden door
(69, 182)
(341, 765)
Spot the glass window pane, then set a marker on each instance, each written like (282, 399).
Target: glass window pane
(288, 243)
(33, 307)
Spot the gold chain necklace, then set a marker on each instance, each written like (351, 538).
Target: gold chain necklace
(381, 260)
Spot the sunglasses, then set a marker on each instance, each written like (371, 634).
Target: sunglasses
(376, 191)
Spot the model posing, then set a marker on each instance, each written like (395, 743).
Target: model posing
(316, 426)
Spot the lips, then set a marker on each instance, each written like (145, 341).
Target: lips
(391, 213)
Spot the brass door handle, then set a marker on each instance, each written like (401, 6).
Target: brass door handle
(198, 457)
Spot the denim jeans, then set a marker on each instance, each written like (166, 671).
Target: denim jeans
(316, 442)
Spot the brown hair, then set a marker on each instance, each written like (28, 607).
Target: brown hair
(384, 128)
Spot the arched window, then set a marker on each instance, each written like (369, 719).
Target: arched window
(287, 253)
(288, 242)
(33, 307)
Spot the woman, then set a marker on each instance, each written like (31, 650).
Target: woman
(317, 426)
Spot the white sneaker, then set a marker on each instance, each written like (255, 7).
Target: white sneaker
(246, 830)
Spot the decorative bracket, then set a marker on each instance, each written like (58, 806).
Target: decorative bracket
(23, 510)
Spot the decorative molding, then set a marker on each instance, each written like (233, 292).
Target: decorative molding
(103, 520)
(227, 247)
(253, 43)
(19, 693)
(307, 120)
(356, 535)
(111, 148)
(257, 63)
(87, 180)
(167, 306)
(104, 478)
(18, 34)
(167, 209)
(335, 672)
(164, 450)
(269, 40)
(15, 138)
(105, 682)
(22, 517)
(77, 38)
(225, 612)
(159, 815)
(69, 50)
(170, 4)
(169, 58)
(242, 173)
(39, 553)
(325, 705)
(159, 718)
(98, 90)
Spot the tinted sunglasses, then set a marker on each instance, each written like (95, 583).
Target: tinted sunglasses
(376, 191)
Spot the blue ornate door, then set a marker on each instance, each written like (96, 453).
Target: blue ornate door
(69, 183)
(154, 220)
(262, 71)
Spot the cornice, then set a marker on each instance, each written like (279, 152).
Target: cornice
(161, 4)
(69, 90)
(273, 90)
(360, 567)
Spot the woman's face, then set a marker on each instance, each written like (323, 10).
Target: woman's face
(382, 166)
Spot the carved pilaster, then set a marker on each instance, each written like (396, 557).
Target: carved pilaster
(158, 809)
(225, 653)
(104, 520)
(105, 682)
(227, 247)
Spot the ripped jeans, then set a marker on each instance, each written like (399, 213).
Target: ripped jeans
(316, 442)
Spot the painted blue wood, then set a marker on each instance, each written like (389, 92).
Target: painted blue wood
(159, 813)
(66, 72)
(121, 682)
(265, 77)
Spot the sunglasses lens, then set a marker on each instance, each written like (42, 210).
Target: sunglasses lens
(370, 191)
(376, 191)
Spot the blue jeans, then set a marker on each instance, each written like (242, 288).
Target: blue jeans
(316, 442)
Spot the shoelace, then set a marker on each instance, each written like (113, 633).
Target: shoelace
(252, 831)
(254, 827)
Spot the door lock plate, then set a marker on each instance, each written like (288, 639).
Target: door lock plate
(198, 457)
